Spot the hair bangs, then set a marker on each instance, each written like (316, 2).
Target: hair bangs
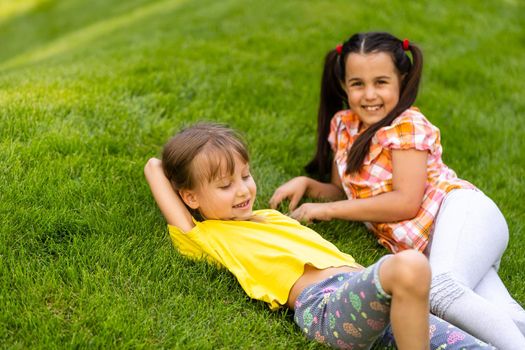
(217, 160)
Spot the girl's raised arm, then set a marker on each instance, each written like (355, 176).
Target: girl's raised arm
(169, 201)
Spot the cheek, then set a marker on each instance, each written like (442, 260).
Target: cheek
(218, 198)
(394, 96)
(353, 98)
(395, 91)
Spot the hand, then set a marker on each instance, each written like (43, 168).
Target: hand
(308, 212)
(293, 190)
(168, 200)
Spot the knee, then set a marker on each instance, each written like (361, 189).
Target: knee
(414, 269)
(410, 272)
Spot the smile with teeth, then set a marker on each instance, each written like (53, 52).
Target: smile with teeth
(372, 108)
(242, 205)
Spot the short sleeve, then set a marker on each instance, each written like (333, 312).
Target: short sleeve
(409, 131)
(184, 244)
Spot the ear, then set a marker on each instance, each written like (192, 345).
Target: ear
(190, 198)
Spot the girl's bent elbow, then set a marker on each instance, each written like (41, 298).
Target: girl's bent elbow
(402, 213)
(409, 209)
(151, 165)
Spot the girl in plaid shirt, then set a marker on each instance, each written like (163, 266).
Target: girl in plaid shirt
(383, 158)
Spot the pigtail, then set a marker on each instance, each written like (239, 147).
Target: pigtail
(332, 100)
(407, 97)
(413, 77)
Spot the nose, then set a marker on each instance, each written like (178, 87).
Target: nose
(242, 189)
(370, 93)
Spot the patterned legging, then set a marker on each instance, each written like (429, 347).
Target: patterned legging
(352, 311)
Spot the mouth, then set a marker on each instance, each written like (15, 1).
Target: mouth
(372, 108)
(242, 205)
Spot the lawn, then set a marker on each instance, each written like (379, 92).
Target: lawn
(89, 90)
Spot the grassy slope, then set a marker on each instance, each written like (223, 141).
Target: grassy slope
(90, 90)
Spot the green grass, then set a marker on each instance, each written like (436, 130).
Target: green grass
(89, 90)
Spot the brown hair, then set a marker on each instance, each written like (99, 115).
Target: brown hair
(334, 98)
(195, 154)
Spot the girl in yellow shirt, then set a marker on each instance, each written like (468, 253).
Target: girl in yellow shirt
(205, 173)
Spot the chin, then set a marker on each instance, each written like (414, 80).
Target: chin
(246, 216)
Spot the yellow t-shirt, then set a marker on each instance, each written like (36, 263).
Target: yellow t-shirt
(266, 257)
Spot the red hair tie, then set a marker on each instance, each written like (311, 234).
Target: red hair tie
(406, 43)
(339, 48)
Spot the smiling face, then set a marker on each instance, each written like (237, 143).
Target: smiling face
(227, 196)
(372, 84)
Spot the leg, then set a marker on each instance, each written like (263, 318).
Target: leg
(345, 311)
(406, 276)
(406, 321)
(492, 288)
(352, 310)
(442, 334)
(470, 235)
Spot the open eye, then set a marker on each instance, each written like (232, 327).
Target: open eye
(355, 83)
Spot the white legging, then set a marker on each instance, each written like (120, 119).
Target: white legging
(468, 240)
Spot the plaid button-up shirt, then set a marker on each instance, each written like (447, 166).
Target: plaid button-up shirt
(411, 130)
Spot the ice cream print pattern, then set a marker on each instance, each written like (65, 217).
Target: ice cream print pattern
(351, 311)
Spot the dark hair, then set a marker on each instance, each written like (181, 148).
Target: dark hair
(333, 97)
(195, 154)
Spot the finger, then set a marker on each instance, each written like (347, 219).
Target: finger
(295, 214)
(275, 200)
(271, 202)
(294, 201)
(300, 216)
